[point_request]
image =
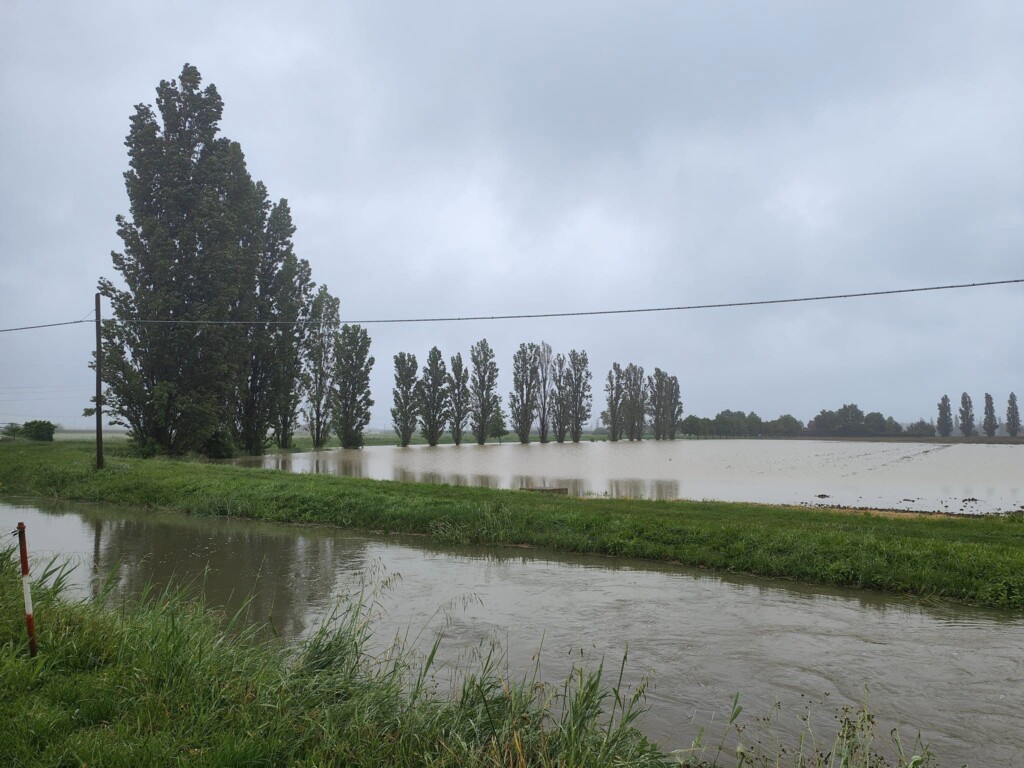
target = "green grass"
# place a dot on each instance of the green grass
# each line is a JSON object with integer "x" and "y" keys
{"x": 972, "y": 560}
{"x": 163, "y": 682}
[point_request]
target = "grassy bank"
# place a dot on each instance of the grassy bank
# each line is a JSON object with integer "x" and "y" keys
{"x": 974, "y": 560}
{"x": 163, "y": 682}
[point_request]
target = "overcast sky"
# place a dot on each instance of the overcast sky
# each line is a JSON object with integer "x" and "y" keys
{"x": 483, "y": 158}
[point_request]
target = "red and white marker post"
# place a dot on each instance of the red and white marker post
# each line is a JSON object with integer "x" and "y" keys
{"x": 30, "y": 622}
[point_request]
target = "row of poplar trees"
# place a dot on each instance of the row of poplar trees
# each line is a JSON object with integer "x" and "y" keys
{"x": 965, "y": 417}
{"x": 636, "y": 403}
{"x": 550, "y": 390}
{"x": 219, "y": 336}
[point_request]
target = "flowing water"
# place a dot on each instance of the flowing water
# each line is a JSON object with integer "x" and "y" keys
{"x": 952, "y": 673}
{"x": 925, "y": 477}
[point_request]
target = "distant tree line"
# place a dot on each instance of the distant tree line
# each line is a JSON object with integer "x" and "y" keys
{"x": 851, "y": 421}
{"x": 964, "y": 420}
{"x": 549, "y": 391}
{"x": 739, "y": 424}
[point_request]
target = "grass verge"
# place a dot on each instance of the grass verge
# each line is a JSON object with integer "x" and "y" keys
{"x": 164, "y": 682}
{"x": 972, "y": 560}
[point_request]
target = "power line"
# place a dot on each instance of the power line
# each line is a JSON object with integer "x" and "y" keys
{"x": 725, "y": 305}
{"x": 46, "y": 399}
{"x": 46, "y": 325}
{"x": 543, "y": 315}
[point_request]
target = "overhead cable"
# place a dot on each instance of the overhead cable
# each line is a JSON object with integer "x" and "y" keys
{"x": 543, "y": 315}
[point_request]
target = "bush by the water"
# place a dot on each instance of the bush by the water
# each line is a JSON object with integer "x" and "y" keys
{"x": 32, "y": 430}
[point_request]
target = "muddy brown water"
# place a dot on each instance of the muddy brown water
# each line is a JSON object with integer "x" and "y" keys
{"x": 951, "y": 673}
{"x": 924, "y": 477}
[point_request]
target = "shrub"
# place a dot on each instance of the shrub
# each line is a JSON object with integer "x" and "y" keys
{"x": 39, "y": 430}
{"x": 920, "y": 428}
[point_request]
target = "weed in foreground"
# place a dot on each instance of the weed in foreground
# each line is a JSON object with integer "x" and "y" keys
{"x": 162, "y": 679}
{"x": 855, "y": 744}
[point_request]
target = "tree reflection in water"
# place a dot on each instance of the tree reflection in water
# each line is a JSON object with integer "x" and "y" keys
{"x": 276, "y": 575}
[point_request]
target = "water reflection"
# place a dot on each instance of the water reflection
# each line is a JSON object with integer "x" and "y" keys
{"x": 348, "y": 464}
{"x": 906, "y": 476}
{"x": 701, "y": 636}
{"x": 275, "y": 575}
{"x": 572, "y": 486}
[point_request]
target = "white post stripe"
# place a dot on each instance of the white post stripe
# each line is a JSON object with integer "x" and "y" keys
{"x": 28, "y": 595}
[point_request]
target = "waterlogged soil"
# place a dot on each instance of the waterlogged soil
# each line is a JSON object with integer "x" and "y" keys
{"x": 954, "y": 675}
{"x": 919, "y": 477}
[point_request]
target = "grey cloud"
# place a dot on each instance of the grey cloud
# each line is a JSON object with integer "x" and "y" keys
{"x": 460, "y": 158}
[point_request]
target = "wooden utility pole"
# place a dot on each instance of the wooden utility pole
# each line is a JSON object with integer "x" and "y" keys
{"x": 99, "y": 388}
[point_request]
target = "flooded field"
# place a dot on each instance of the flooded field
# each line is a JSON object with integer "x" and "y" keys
{"x": 952, "y": 673}
{"x": 925, "y": 477}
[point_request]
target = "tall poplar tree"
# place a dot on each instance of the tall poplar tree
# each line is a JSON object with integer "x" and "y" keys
{"x": 578, "y": 393}
{"x": 544, "y": 405}
{"x": 634, "y": 401}
{"x": 1012, "y": 416}
{"x": 522, "y": 401}
{"x": 561, "y": 398}
{"x": 405, "y": 396}
{"x": 483, "y": 384}
{"x": 319, "y": 363}
{"x": 203, "y": 245}
{"x": 350, "y": 392}
{"x": 945, "y": 423}
{"x": 614, "y": 416}
{"x": 665, "y": 407}
{"x": 192, "y": 244}
{"x": 458, "y": 398}
{"x": 966, "y": 415}
{"x": 277, "y": 311}
{"x": 294, "y": 297}
{"x": 990, "y": 424}
{"x": 434, "y": 400}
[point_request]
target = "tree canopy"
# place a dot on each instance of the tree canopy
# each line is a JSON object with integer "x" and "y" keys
{"x": 966, "y": 415}
{"x": 1012, "y": 416}
{"x": 201, "y": 351}
{"x": 350, "y": 392}
{"x": 850, "y": 421}
{"x": 405, "y": 395}
{"x": 945, "y": 422}
{"x": 434, "y": 398}
{"x": 483, "y": 396}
